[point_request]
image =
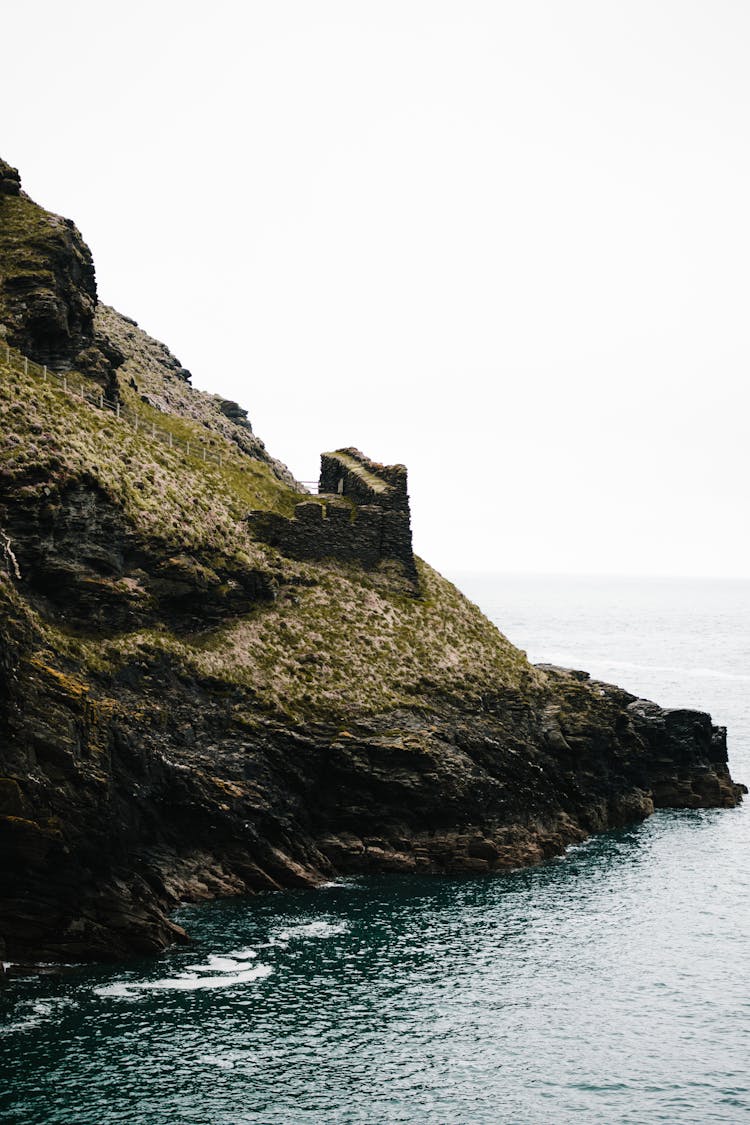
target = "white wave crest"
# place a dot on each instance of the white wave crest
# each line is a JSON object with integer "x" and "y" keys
{"x": 184, "y": 982}
{"x": 215, "y": 964}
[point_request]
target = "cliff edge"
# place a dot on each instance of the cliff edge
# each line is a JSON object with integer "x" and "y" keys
{"x": 213, "y": 682}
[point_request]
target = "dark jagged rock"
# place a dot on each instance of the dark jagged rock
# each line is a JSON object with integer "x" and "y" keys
{"x": 155, "y": 790}
{"x": 83, "y": 563}
{"x": 235, "y": 413}
{"x": 10, "y": 180}
{"x": 190, "y": 707}
{"x": 48, "y": 287}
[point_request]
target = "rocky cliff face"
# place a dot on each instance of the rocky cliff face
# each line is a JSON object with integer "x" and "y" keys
{"x": 186, "y": 711}
{"x": 48, "y": 287}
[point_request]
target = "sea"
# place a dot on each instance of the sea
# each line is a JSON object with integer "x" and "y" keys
{"x": 611, "y": 985}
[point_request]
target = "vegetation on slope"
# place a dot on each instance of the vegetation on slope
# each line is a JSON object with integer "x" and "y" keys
{"x": 52, "y": 438}
{"x": 344, "y": 645}
{"x": 336, "y": 642}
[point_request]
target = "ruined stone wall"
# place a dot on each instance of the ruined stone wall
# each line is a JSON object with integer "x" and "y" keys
{"x": 369, "y": 525}
{"x": 347, "y": 472}
{"x": 367, "y": 534}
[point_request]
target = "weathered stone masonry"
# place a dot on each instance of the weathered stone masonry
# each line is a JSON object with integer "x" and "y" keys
{"x": 362, "y": 516}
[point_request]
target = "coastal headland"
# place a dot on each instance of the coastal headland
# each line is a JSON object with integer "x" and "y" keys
{"x": 215, "y": 682}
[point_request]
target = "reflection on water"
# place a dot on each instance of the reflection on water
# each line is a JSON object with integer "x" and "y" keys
{"x": 607, "y": 986}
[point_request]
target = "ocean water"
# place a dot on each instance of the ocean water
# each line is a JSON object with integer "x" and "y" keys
{"x": 609, "y": 986}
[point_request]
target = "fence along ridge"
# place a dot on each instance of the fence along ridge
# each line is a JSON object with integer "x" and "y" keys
{"x": 122, "y": 413}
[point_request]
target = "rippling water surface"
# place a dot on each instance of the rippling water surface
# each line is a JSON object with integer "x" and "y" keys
{"x": 612, "y": 985}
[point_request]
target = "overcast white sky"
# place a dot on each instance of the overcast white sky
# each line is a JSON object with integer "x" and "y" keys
{"x": 506, "y": 243}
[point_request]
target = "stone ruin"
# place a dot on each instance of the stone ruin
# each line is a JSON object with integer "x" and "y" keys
{"x": 361, "y": 515}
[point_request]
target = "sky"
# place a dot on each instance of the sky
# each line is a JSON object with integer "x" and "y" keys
{"x": 504, "y": 243}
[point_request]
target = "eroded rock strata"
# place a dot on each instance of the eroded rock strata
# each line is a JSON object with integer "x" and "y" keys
{"x": 197, "y": 701}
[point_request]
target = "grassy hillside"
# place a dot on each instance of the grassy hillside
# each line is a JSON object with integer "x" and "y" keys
{"x": 52, "y": 437}
{"x": 335, "y": 643}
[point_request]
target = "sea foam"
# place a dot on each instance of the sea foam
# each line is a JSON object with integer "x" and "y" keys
{"x": 185, "y": 982}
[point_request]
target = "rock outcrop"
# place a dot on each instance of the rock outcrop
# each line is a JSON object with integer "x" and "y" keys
{"x": 48, "y": 287}
{"x": 190, "y": 707}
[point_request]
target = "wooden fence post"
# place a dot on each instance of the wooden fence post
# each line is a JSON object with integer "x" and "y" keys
{"x": 132, "y": 417}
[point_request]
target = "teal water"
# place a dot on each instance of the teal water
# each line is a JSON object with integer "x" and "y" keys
{"x": 608, "y": 986}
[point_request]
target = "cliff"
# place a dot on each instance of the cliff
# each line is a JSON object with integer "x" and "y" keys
{"x": 214, "y": 683}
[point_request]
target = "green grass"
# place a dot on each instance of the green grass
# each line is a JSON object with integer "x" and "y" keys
{"x": 338, "y": 644}
{"x": 348, "y": 647}
{"x": 52, "y": 438}
{"x": 21, "y": 222}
